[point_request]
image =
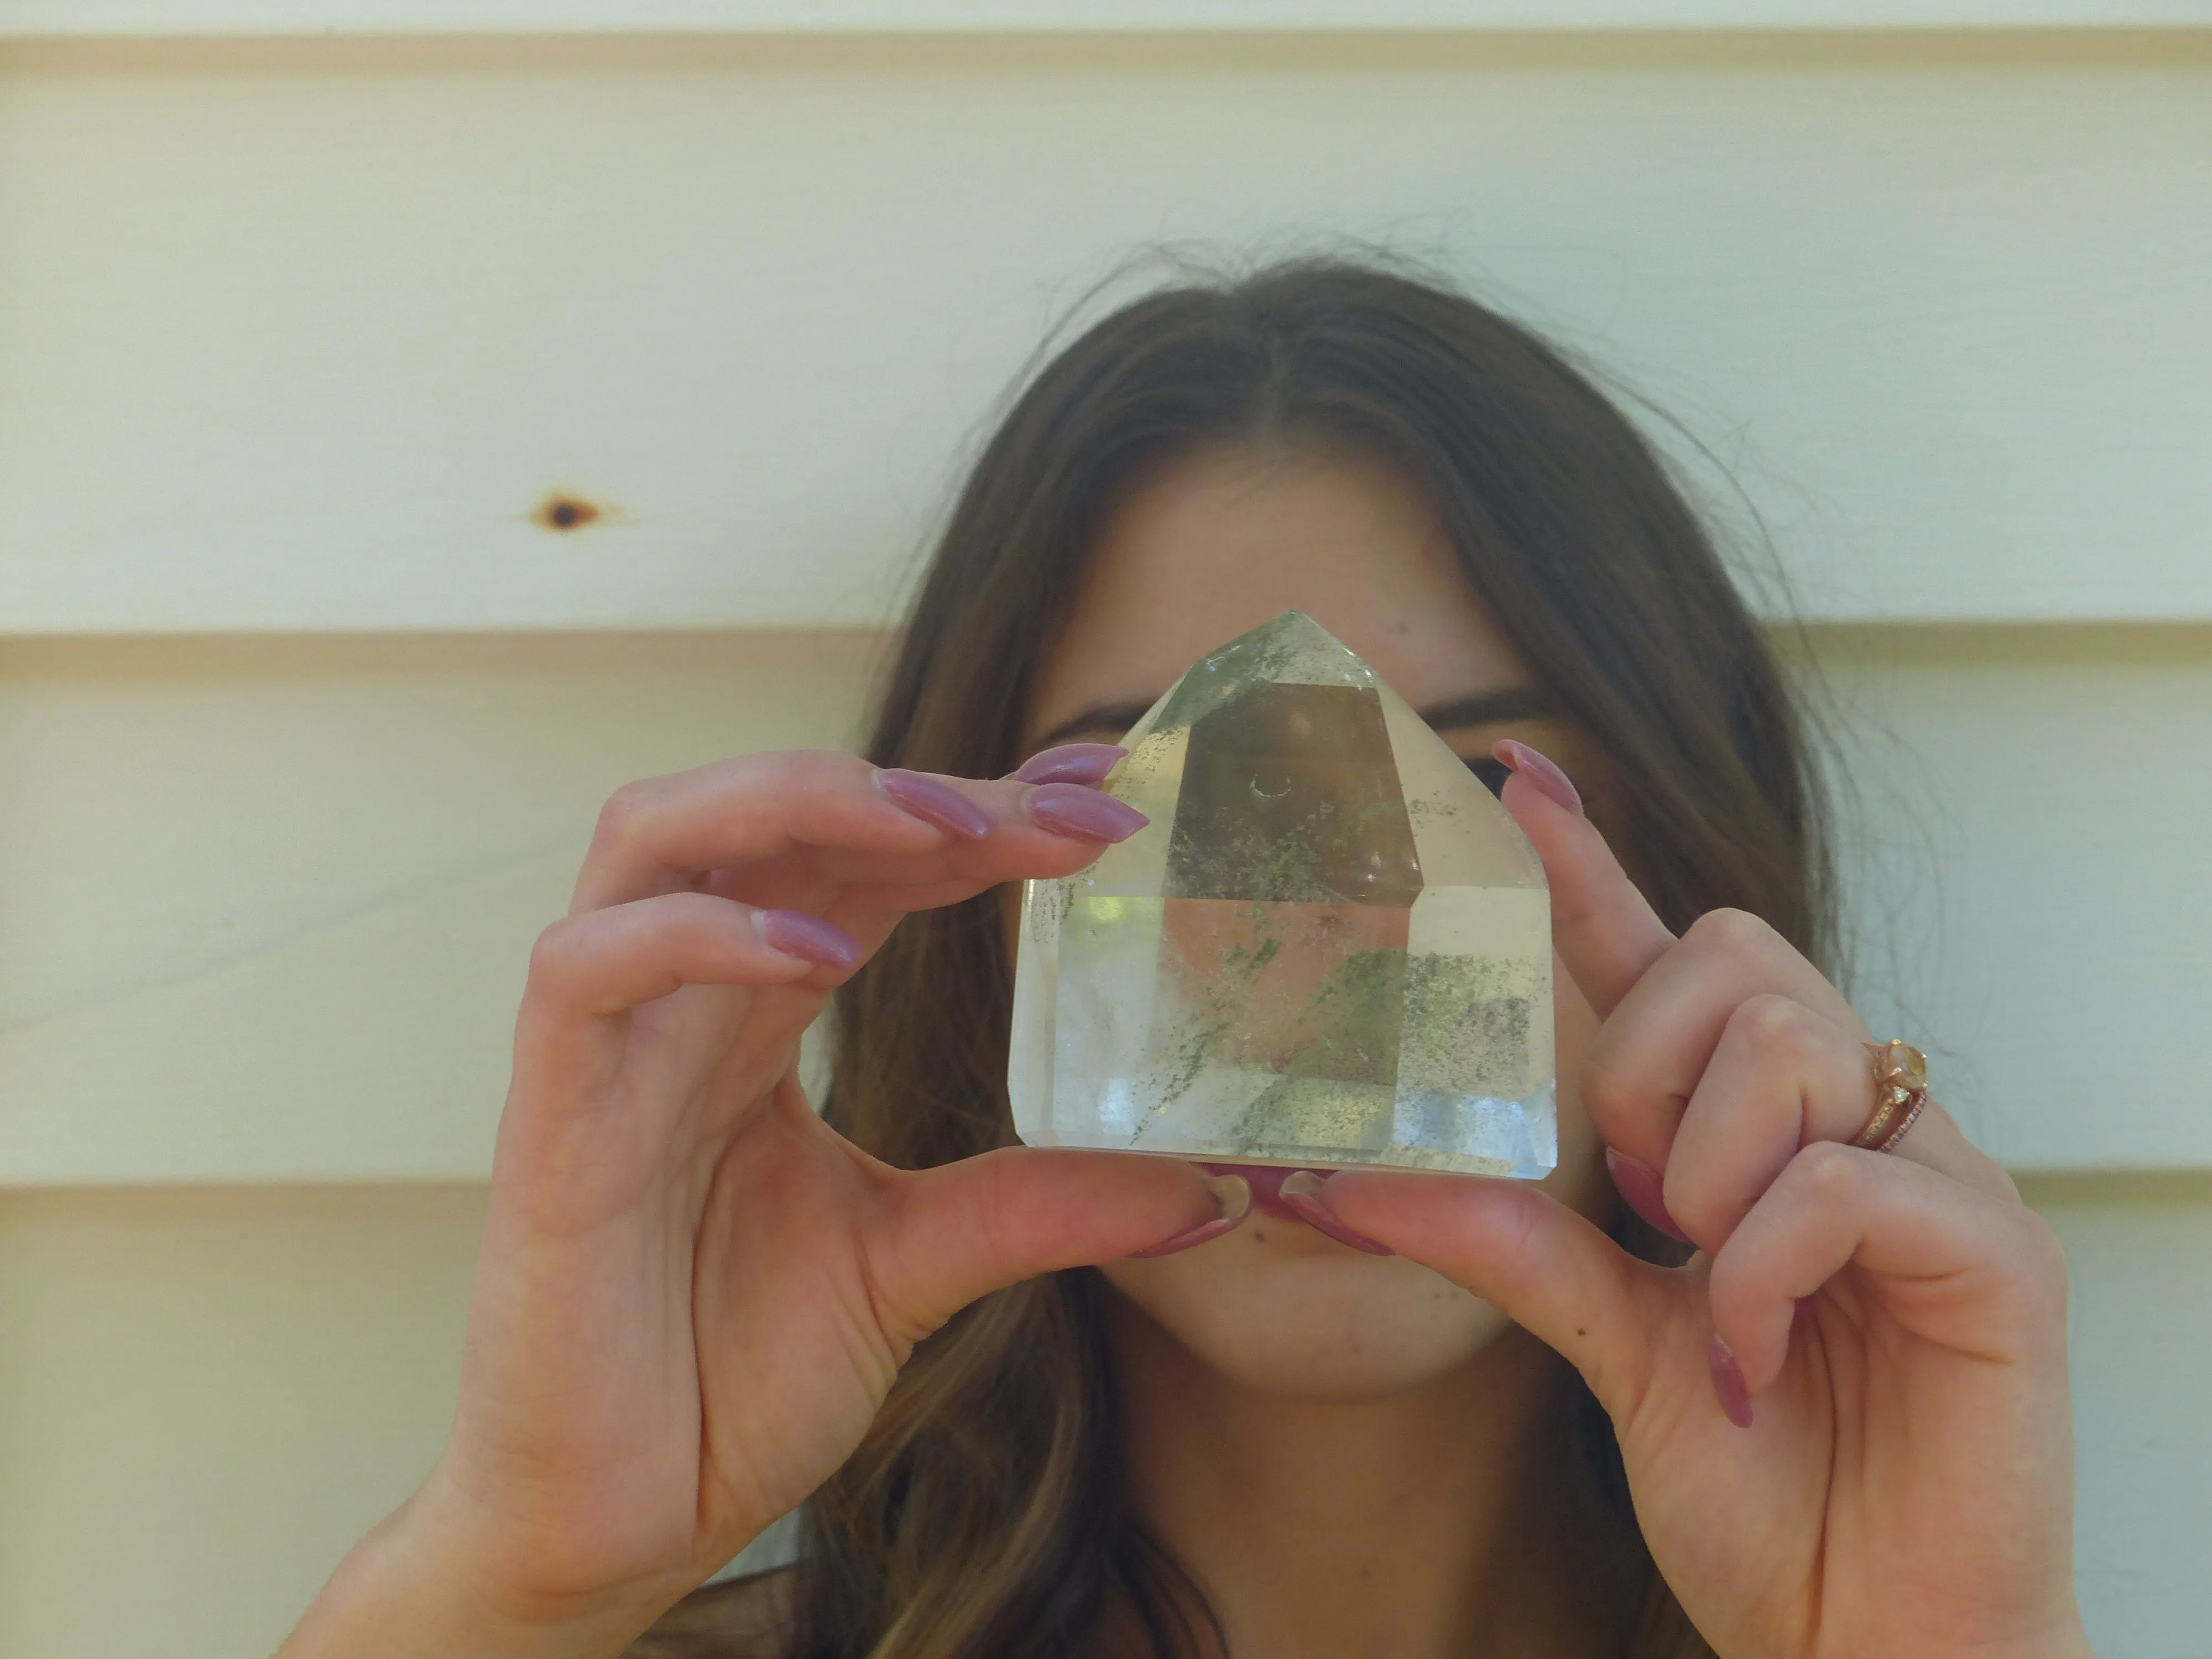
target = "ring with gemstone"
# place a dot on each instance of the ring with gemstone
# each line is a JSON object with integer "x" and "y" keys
{"x": 1900, "y": 1093}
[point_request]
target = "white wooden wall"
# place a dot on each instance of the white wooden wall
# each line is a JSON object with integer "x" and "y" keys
{"x": 305, "y": 710}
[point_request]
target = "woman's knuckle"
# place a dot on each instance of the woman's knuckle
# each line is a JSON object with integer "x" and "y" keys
{"x": 622, "y": 813}
{"x": 553, "y": 955}
{"x": 1773, "y": 1024}
{"x": 1830, "y": 1172}
{"x": 1734, "y": 935}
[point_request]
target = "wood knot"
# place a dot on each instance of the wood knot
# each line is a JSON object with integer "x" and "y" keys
{"x": 560, "y": 512}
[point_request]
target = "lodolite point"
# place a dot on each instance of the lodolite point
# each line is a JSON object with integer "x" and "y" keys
{"x": 1331, "y": 945}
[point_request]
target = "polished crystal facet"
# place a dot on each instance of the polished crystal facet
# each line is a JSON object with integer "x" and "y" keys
{"x": 1331, "y": 945}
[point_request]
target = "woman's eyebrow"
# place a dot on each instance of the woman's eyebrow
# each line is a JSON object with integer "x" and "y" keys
{"x": 1115, "y": 717}
{"x": 1514, "y": 703}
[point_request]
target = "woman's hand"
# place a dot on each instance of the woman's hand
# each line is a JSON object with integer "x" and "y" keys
{"x": 693, "y": 1295}
{"x": 1845, "y": 1422}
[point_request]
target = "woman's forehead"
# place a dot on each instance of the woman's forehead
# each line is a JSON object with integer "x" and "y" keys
{"x": 1219, "y": 541}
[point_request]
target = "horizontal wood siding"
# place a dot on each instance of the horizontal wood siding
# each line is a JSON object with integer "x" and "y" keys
{"x": 268, "y": 901}
{"x": 316, "y": 336}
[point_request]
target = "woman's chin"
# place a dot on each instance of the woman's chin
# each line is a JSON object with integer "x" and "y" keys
{"x": 1279, "y": 1308}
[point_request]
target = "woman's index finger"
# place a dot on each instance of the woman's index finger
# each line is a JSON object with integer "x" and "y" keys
{"x": 1602, "y": 926}
{"x": 658, "y": 834}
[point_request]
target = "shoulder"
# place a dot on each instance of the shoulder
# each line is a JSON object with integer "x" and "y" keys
{"x": 747, "y": 1618}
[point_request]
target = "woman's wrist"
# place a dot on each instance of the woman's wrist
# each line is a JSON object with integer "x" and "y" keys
{"x": 412, "y": 1586}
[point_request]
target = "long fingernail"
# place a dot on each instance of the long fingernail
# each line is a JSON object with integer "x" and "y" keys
{"x": 1727, "y": 1382}
{"x": 1540, "y": 771}
{"x": 1233, "y": 1193}
{"x": 1069, "y": 808}
{"x": 934, "y": 802}
{"x": 1071, "y": 762}
{"x": 1642, "y": 1190}
{"x": 1301, "y": 1192}
{"x": 808, "y": 938}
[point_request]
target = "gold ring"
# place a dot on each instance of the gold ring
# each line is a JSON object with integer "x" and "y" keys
{"x": 1900, "y": 1094}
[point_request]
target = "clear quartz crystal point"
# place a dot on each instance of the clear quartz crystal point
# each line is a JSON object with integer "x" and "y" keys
{"x": 1331, "y": 945}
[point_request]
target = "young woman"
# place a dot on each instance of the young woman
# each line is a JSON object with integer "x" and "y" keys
{"x": 1055, "y": 1402}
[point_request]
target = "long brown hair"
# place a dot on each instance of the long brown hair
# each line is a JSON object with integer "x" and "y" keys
{"x": 983, "y": 1516}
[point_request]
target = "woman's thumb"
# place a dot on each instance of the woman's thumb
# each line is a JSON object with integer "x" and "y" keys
{"x": 1545, "y": 1266}
{"x": 961, "y": 1231}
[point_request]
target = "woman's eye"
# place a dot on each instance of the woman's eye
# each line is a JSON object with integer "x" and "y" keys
{"x": 1493, "y": 773}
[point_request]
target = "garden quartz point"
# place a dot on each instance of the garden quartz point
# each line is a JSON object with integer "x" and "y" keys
{"x": 1331, "y": 945}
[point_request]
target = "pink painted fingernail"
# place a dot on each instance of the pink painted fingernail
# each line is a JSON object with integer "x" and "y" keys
{"x": 808, "y": 938}
{"x": 1069, "y": 808}
{"x": 1540, "y": 771}
{"x": 1642, "y": 1190}
{"x": 934, "y": 802}
{"x": 1301, "y": 1191}
{"x": 1071, "y": 762}
{"x": 1727, "y": 1382}
{"x": 1233, "y": 1193}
